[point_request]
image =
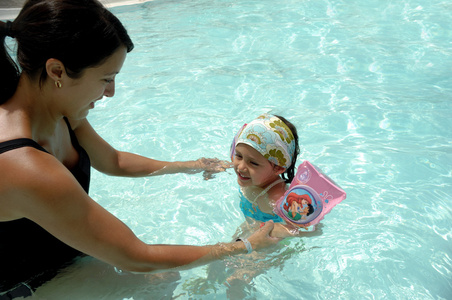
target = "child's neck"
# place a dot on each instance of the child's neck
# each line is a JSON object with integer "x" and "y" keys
{"x": 265, "y": 198}
{"x": 273, "y": 190}
{"x": 272, "y": 184}
{"x": 276, "y": 189}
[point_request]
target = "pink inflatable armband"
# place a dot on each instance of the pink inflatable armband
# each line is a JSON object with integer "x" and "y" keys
{"x": 310, "y": 196}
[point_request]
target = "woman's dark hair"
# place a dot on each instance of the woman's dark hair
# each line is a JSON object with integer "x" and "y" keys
{"x": 79, "y": 33}
{"x": 290, "y": 172}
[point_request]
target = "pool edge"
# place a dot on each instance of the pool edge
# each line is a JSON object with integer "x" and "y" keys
{"x": 9, "y": 13}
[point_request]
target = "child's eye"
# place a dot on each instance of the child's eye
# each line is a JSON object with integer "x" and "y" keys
{"x": 238, "y": 155}
{"x": 108, "y": 80}
{"x": 254, "y": 163}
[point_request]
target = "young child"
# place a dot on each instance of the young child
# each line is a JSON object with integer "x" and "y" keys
{"x": 264, "y": 153}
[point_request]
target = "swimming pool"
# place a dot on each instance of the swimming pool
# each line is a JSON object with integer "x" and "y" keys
{"x": 367, "y": 83}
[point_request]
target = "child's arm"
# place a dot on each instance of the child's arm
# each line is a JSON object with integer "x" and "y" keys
{"x": 288, "y": 230}
{"x": 283, "y": 231}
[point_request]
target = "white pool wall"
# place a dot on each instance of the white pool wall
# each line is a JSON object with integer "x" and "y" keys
{"x": 10, "y": 9}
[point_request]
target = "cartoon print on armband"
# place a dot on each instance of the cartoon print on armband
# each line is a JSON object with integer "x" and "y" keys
{"x": 298, "y": 206}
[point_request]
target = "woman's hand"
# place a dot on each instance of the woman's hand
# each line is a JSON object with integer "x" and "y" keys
{"x": 211, "y": 166}
{"x": 261, "y": 238}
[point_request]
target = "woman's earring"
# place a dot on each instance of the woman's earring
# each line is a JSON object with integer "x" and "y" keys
{"x": 58, "y": 84}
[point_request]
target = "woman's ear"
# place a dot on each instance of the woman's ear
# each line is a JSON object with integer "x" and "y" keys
{"x": 278, "y": 169}
{"x": 55, "y": 69}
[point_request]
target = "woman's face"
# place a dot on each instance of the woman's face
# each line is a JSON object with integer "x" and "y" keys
{"x": 252, "y": 168}
{"x": 93, "y": 85}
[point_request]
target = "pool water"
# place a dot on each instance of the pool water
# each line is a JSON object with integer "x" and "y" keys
{"x": 368, "y": 85}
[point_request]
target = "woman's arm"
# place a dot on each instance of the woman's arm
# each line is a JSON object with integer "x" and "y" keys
{"x": 54, "y": 200}
{"x": 108, "y": 160}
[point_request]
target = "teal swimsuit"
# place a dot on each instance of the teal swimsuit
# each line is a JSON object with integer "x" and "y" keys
{"x": 254, "y": 212}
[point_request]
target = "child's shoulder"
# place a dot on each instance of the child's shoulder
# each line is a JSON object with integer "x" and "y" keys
{"x": 257, "y": 193}
{"x": 251, "y": 192}
{"x": 277, "y": 192}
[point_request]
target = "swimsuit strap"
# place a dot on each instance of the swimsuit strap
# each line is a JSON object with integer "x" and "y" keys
{"x": 26, "y": 142}
{"x": 279, "y": 180}
{"x": 19, "y": 143}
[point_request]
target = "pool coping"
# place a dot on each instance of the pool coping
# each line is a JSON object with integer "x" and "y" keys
{"x": 10, "y": 11}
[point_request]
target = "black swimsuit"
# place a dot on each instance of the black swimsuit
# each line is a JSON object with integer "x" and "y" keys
{"x": 29, "y": 254}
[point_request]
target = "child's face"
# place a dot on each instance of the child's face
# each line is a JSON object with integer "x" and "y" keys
{"x": 252, "y": 168}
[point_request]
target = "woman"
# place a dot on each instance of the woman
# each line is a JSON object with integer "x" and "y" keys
{"x": 69, "y": 52}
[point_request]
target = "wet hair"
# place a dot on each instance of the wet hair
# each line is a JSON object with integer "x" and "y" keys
{"x": 79, "y": 33}
{"x": 289, "y": 174}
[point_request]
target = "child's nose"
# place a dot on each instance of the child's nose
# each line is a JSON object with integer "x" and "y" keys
{"x": 242, "y": 165}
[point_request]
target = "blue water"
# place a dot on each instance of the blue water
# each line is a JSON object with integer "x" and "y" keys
{"x": 368, "y": 85}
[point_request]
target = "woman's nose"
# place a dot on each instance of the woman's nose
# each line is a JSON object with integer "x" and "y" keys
{"x": 110, "y": 89}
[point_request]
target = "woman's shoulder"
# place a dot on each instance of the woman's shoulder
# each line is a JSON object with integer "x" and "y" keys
{"x": 30, "y": 177}
{"x": 29, "y": 168}
{"x": 25, "y": 164}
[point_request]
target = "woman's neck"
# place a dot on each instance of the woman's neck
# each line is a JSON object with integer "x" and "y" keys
{"x": 31, "y": 107}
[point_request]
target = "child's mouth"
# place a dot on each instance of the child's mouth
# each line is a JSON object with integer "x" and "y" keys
{"x": 241, "y": 177}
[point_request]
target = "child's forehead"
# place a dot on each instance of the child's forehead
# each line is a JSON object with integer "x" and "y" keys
{"x": 249, "y": 151}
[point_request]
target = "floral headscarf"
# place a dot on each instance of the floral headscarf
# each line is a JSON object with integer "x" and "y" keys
{"x": 271, "y": 137}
